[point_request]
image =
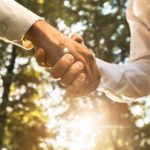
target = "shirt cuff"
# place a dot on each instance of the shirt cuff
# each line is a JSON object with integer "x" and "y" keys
{"x": 17, "y": 21}
{"x": 110, "y": 81}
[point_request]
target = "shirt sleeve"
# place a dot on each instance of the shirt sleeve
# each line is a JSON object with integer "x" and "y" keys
{"x": 15, "y": 20}
{"x": 124, "y": 83}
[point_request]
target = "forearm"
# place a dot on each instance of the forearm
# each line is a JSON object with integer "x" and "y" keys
{"x": 125, "y": 82}
{"x": 42, "y": 30}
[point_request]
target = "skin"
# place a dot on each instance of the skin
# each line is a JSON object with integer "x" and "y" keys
{"x": 72, "y": 73}
{"x": 43, "y": 35}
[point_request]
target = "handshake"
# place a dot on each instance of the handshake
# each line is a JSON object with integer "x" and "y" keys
{"x": 69, "y": 59}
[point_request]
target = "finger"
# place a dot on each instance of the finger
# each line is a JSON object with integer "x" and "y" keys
{"x": 78, "y": 38}
{"x": 62, "y": 66}
{"x": 40, "y": 57}
{"x": 76, "y": 85}
{"x": 84, "y": 91}
{"x": 72, "y": 73}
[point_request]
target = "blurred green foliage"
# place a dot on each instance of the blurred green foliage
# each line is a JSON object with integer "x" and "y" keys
{"x": 23, "y": 123}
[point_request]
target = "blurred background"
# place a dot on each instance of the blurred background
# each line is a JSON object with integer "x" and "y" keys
{"x": 35, "y": 113}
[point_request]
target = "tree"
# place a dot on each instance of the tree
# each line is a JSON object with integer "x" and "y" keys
{"x": 33, "y": 119}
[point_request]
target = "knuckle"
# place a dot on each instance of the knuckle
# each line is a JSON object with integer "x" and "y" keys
{"x": 82, "y": 77}
{"x": 65, "y": 61}
{"x": 64, "y": 81}
{"x": 76, "y": 67}
{"x": 54, "y": 74}
{"x": 90, "y": 56}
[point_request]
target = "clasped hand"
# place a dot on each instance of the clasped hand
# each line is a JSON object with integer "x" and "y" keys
{"x": 78, "y": 79}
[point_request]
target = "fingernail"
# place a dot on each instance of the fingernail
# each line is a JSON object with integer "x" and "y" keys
{"x": 80, "y": 65}
{"x": 70, "y": 57}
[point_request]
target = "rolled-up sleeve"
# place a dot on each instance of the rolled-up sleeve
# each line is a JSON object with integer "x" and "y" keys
{"x": 15, "y": 20}
{"x": 124, "y": 83}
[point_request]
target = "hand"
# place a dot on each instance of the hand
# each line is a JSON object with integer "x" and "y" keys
{"x": 77, "y": 81}
{"x": 43, "y": 35}
{"x": 85, "y": 82}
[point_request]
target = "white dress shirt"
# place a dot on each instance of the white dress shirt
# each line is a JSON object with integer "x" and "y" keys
{"x": 15, "y": 20}
{"x": 127, "y": 82}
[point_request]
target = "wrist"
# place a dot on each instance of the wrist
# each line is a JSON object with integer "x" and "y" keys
{"x": 42, "y": 32}
{"x": 31, "y": 34}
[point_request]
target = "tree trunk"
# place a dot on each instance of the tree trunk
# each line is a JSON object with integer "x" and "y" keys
{"x": 7, "y": 80}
